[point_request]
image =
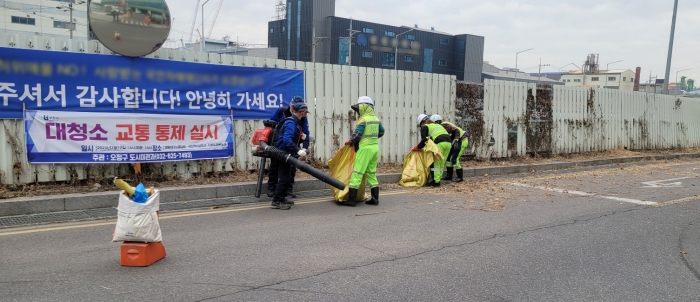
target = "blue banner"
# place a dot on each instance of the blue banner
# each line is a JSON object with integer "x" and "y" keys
{"x": 64, "y": 81}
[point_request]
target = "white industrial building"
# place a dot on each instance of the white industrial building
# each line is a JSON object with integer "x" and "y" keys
{"x": 622, "y": 79}
{"x": 44, "y": 18}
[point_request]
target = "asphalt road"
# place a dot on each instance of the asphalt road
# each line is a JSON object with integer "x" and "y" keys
{"x": 615, "y": 233}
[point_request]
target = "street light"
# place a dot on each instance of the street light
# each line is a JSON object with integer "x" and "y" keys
{"x": 201, "y": 43}
{"x": 607, "y": 69}
{"x": 677, "y": 74}
{"x": 70, "y": 8}
{"x": 539, "y": 72}
{"x": 396, "y": 48}
{"x": 516, "y": 63}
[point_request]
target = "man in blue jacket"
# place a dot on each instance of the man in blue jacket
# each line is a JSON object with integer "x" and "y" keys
{"x": 290, "y": 136}
{"x": 279, "y": 116}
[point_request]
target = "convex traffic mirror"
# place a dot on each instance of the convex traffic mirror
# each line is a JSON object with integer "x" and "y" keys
{"x": 132, "y": 28}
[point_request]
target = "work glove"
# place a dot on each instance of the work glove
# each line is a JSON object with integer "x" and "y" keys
{"x": 415, "y": 148}
{"x": 302, "y": 153}
{"x": 303, "y": 136}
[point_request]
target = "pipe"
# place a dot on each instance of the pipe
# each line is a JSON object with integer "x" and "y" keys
{"x": 261, "y": 176}
{"x": 285, "y": 157}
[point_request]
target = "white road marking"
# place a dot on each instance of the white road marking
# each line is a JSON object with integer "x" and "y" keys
{"x": 635, "y": 201}
{"x": 662, "y": 184}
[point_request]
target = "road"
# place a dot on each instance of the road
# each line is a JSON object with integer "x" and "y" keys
{"x": 615, "y": 233}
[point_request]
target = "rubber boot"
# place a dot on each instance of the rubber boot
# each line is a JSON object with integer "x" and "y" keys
{"x": 460, "y": 175}
{"x": 448, "y": 175}
{"x": 352, "y": 198}
{"x": 375, "y": 197}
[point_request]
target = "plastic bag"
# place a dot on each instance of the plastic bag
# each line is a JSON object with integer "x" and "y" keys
{"x": 416, "y": 165}
{"x": 341, "y": 169}
{"x": 140, "y": 194}
{"x": 138, "y": 221}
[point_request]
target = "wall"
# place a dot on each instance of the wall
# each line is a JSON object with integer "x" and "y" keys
{"x": 584, "y": 120}
{"x": 330, "y": 90}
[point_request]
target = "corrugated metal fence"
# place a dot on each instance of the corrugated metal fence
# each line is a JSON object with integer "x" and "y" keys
{"x": 330, "y": 90}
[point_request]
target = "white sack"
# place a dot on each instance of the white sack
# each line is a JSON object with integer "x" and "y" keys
{"x": 138, "y": 221}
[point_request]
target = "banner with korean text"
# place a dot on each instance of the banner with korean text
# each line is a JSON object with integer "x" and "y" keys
{"x": 65, "y": 81}
{"x": 80, "y": 137}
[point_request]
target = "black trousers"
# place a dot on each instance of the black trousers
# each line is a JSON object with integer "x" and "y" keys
{"x": 273, "y": 178}
{"x": 286, "y": 178}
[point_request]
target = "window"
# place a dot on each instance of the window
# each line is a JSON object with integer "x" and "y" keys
{"x": 366, "y": 54}
{"x": 389, "y": 34}
{"x": 612, "y": 78}
{"x": 624, "y": 78}
{"x": 368, "y": 30}
{"x": 442, "y": 62}
{"x": 388, "y": 59}
{"x": 444, "y": 41}
{"x": 632, "y": 80}
{"x": 410, "y": 37}
{"x": 577, "y": 80}
{"x": 284, "y": 28}
{"x": 23, "y": 20}
{"x": 62, "y": 24}
{"x": 594, "y": 79}
{"x": 408, "y": 59}
{"x": 272, "y": 30}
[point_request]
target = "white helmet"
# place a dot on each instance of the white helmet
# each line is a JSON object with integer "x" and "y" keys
{"x": 435, "y": 117}
{"x": 366, "y": 100}
{"x": 421, "y": 118}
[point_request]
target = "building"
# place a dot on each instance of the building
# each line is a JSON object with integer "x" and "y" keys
{"x": 511, "y": 74}
{"x": 232, "y": 48}
{"x": 45, "y": 18}
{"x": 310, "y": 32}
{"x": 622, "y": 79}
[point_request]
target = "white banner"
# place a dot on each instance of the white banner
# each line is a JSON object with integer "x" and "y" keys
{"x": 89, "y": 137}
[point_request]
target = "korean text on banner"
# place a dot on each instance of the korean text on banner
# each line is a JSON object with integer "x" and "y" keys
{"x": 63, "y": 81}
{"x": 80, "y": 137}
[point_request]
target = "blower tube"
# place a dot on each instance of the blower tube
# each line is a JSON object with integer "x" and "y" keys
{"x": 284, "y": 157}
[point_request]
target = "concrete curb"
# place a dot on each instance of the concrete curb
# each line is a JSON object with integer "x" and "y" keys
{"x": 75, "y": 202}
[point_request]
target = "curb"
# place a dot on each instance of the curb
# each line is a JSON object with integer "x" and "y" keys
{"x": 88, "y": 201}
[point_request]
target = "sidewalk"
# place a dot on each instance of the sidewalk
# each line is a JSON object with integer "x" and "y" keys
{"x": 53, "y": 208}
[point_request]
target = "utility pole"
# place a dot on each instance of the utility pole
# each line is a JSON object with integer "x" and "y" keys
{"x": 70, "y": 7}
{"x": 670, "y": 48}
{"x": 313, "y": 44}
{"x": 351, "y": 33}
{"x": 201, "y": 38}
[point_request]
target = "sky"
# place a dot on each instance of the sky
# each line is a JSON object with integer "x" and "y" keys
{"x": 560, "y": 32}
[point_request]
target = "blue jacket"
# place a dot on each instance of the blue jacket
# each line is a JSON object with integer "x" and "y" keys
{"x": 283, "y": 113}
{"x": 290, "y": 136}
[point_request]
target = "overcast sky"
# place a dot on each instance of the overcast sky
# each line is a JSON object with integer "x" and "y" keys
{"x": 560, "y": 31}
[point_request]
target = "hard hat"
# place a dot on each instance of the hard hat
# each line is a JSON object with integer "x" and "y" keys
{"x": 421, "y": 118}
{"x": 366, "y": 100}
{"x": 435, "y": 117}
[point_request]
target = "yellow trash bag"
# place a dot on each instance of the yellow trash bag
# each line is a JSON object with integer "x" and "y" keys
{"x": 341, "y": 169}
{"x": 416, "y": 165}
